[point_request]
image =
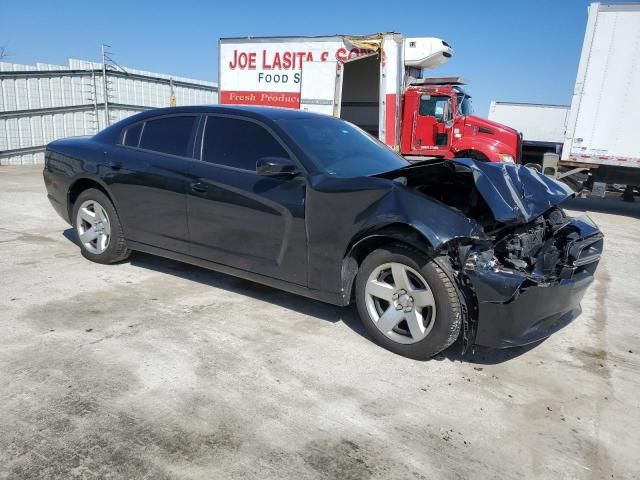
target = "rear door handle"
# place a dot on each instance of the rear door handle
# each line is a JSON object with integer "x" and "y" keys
{"x": 115, "y": 165}
{"x": 198, "y": 187}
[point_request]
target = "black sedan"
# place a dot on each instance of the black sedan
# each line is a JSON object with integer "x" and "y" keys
{"x": 313, "y": 205}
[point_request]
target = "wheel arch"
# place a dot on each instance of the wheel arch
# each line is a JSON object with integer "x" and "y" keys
{"x": 79, "y": 185}
{"x": 474, "y": 154}
{"x": 366, "y": 242}
{"x": 480, "y": 146}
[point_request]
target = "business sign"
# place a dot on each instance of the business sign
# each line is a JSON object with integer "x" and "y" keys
{"x": 269, "y": 72}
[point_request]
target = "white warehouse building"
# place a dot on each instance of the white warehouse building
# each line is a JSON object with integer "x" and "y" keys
{"x": 41, "y": 103}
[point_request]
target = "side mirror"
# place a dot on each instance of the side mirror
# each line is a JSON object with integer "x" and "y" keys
{"x": 447, "y": 114}
{"x": 276, "y": 167}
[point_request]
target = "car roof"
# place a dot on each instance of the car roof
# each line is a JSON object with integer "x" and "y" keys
{"x": 266, "y": 114}
{"x": 270, "y": 113}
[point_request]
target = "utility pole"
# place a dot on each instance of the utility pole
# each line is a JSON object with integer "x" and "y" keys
{"x": 91, "y": 92}
{"x": 105, "y": 87}
{"x": 108, "y": 63}
{"x": 95, "y": 95}
{"x": 172, "y": 96}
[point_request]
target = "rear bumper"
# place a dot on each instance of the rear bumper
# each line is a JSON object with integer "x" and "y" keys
{"x": 56, "y": 193}
{"x": 515, "y": 308}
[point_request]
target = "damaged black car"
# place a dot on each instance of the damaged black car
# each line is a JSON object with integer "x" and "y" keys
{"x": 429, "y": 252}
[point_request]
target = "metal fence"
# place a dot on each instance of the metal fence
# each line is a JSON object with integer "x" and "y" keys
{"x": 41, "y": 103}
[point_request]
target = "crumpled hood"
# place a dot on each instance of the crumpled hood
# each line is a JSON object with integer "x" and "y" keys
{"x": 514, "y": 194}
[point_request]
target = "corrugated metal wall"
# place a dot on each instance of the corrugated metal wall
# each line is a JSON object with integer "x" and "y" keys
{"x": 41, "y": 103}
{"x": 32, "y": 131}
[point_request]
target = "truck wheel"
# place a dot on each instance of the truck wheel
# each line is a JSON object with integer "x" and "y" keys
{"x": 574, "y": 184}
{"x": 407, "y": 302}
{"x": 534, "y": 166}
{"x": 98, "y": 228}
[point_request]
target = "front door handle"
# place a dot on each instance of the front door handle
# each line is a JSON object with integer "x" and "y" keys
{"x": 198, "y": 187}
{"x": 115, "y": 165}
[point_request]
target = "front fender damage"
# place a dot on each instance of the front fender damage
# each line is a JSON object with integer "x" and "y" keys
{"x": 406, "y": 216}
{"x": 522, "y": 276}
{"x": 437, "y": 222}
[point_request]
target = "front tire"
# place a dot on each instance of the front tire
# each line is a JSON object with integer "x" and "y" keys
{"x": 98, "y": 228}
{"x": 407, "y": 302}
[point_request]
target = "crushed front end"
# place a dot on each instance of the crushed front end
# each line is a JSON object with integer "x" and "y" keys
{"x": 528, "y": 281}
{"x": 524, "y": 276}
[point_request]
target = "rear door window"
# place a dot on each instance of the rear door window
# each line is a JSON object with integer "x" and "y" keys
{"x": 238, "y": 143}
{"x": 171, "y": 135}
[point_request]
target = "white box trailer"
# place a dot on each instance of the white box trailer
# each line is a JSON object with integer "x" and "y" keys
{"x": 540, "y": 124}
{"x": 604, "y": 119}
{"x": 357, "y": 78}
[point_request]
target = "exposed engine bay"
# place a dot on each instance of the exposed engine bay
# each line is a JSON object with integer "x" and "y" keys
{"x": 535, "y": 247}
{"x": 527, "y": 236}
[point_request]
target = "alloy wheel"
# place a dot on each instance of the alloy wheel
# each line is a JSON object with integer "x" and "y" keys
{"x": 400, "y": 302}
{"x": 93, "y": 226}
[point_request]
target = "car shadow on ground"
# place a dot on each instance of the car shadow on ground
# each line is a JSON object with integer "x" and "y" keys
{"x": 306, "y": 306}
{"x": 257, "y": 291}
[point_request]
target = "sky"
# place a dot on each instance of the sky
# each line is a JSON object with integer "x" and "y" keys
{"x": 518, "y": 50}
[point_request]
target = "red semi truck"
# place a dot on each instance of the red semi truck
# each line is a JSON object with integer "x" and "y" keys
{"x": 372, "y": 81}
{"x": 437, "y": 121}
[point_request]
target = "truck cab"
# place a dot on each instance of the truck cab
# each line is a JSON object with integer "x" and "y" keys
{"x": 437, "y": 121}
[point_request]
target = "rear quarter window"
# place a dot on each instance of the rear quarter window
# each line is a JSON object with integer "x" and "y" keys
{"x": 132, "y": 135}
{"x": 171, "y": 135}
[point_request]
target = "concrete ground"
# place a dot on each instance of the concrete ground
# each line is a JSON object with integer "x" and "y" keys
{"x": 155, "y": 369}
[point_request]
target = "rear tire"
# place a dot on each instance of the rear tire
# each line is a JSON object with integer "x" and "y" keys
{"x": 416, "y": 314}
{"x": 98, "y": 228}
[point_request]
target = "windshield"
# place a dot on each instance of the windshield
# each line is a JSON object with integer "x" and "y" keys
{"x": 464, "y": 105}
{"x": 340, "y": 149}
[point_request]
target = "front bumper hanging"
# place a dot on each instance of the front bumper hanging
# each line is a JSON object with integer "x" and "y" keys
{"x": 515, "y": 308}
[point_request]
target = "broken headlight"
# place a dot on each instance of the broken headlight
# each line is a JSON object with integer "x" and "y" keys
{"x": 480, "y": 260}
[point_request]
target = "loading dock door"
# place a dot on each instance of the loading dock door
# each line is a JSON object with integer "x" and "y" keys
{"x": 320, "y": 87}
